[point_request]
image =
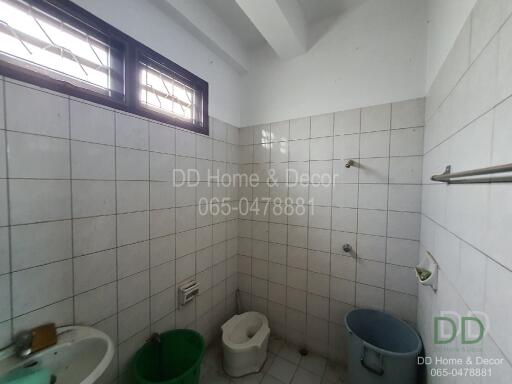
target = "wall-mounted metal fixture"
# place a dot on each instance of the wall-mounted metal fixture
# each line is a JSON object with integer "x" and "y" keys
{"x": 349, "y": 163}
{"x": 346, "y": 248}
{"x": 466, "y": 176}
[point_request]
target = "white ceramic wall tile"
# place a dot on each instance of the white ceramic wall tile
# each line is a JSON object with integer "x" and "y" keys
{"x": 347, "y": 122}
{"x": 372, "y": 222}
{"x": 300, "y": 128}
{"x": 343, "y": 267}
{"x": 405, "y": 198}
{"x": 40, "y": 286}
{"x": 38, "y": 244}
{"x": 280, "y": 131}
{"x": 5, "y": 297}
{"x": 343, "y": 290}
{"x": 371, "y": 273}
{"x": 39, "y": 200}
{"x": 404, "y": 225}
{"x": 374, "y": 144}
{"x": 132, "y": 164}
{"x": 321, "y": 149}
{"x": 478, "y": 61}
{"x": 374, "y": 170}
{"x": 132, "y": 196}
{"x": 373, "y": 196}
{"x": 299, "y": 150}
{"x": 406, "y": 114}
{"x": 132, "y": 259}
{"x": 406, "y": 142}
{"x": 504, "y": 84}
{"x": 133, "y": 289}
{"x": 61, "y": 313}
{"x": 402, "y": 252}
{"x": 109, "y": 194}
{"x": 98, "y": 127}
{"x": 94, "y": 270}
{"x": 49, "y": 114}
{"x": 93, "y": 198}
{"x": 401, "y": 305}
{"x": 161, "y": 138}
{"x": 344, "y": 219}
{"x": 371, "y": 247}
{"x": 5, "y": 265}
{"x": 131, "y": 132}
{"x": 37, "y": 157}
{"x": 94, "y": 234}
{"x": 345, "y": 195}
{"x": 376, "y": 118}
{"x": 401, "y": 279}
{"x": 185, "y": 143}
{"x": 133, "y": 320}
{"x": 2, "y": 112}
{"x": 161, "y": 166}
{"x": 92, "y": 161}
{"x": 501, "y": 135}
{"x": 322, "y": 125}
{"x": 369, "y": 297}
{"x": 96, "y": 305}
{"x": 346, "y": 146}
{"x": 3, "y": 152}
{"x": 405, "y": 170}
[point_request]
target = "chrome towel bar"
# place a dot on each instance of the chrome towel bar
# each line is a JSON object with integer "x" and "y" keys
{"x": 447, "y": 176}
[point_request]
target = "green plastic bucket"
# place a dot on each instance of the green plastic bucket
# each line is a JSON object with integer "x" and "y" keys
{"x": 175, "y": 359}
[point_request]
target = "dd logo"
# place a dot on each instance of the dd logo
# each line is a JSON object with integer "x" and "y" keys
{"x": 450, "y": 324}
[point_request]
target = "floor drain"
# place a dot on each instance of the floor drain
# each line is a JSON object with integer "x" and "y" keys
{"x": 303, "y": 351}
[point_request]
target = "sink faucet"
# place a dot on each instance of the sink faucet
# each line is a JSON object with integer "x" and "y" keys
{"x": 23, "y": 344}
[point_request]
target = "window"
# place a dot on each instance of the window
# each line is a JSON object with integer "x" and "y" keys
{"x": 166, "y": 94}
{"x": 169, "y": 93}
{"x": 58, "y": 45}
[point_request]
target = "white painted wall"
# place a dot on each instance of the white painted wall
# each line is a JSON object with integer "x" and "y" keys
{"x": 445, "y": 21}
{"x": 148, "y": 24}
{"x": 374, "y": 53}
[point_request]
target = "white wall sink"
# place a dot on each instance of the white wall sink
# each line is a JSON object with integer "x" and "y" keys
{"x": 80, "y": 356}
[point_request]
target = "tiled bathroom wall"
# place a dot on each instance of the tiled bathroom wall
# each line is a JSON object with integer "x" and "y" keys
{"x": 467, "y": 227}
{"x": 292, "y": 266}
{"x": 92, "y": 231}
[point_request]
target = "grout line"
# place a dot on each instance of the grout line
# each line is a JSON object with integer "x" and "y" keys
{"x": 387, "y": 215}
{"x": 71, "y": 211}
{"x": 118, "y": 374}
{"x": 150, "y": 295}
{"x": 356, "y": 257}
{"x": 9, "y": 214}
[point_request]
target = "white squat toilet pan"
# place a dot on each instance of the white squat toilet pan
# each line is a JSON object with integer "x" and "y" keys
{"x": 245, "y": 342}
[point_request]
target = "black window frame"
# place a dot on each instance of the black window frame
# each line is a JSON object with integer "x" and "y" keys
{"x": 132, "y": 52}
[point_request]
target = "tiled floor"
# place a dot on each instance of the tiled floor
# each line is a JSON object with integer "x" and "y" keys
{"x": 284, "y": 365}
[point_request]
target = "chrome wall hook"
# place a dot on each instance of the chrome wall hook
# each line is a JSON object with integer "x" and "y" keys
{"x": 349, "y": 163}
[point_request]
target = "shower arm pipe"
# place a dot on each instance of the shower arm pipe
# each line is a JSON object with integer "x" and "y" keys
{"x": 447, "y": 176}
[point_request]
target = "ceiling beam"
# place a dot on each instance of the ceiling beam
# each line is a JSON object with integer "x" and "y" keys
{"x": 281, "y": 22}
{"x": 206, "y": 26}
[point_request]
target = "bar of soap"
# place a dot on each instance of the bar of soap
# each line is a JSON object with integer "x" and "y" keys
{"x": 423, "y": 273}
{"x": 43, "y": 337}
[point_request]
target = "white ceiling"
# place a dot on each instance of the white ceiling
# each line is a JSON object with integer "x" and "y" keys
{"x": 235, "y": 28}
{"x": 318, "y": 10}
{"x": 237, "y": 21}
